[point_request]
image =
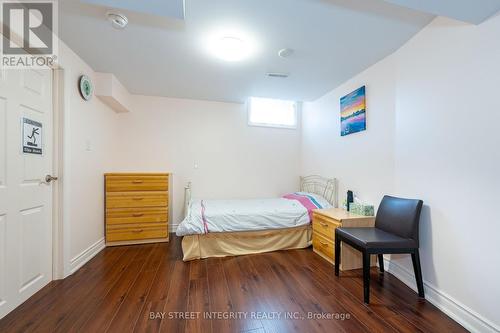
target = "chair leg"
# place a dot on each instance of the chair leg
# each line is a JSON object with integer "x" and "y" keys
{"x": 337, "y": 255}
{"x": 366, "y": 277}
{"x": 415, "y": 257}
{"x": 381, "y": 262}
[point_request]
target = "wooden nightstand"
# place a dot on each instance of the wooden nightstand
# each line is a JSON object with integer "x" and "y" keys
{"x": 324, "y": 223}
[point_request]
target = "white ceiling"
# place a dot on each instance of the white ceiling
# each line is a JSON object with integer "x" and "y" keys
{"x": 159, "y": 55}
{"x": 472, "y": 11}
{"x": 169, "y": 8}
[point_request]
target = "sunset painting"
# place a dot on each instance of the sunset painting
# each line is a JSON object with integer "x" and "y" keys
{"x": 353, "y": 112}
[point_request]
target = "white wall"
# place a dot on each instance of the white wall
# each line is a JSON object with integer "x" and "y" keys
{"x": 356, "y": 158}
{"x": 234, "y": 160}
{"x": 433, "y": 133}
{"x": 87, "y": 124}
{"x": 447, "y": 153}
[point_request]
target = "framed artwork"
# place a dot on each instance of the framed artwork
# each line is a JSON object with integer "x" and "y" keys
{"x": 353, "y": 112}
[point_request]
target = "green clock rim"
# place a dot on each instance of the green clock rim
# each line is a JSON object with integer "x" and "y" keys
{"x": 85, "y": 79}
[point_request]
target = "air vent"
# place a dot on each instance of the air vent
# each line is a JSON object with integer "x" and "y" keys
{"x": 280, "y": 75}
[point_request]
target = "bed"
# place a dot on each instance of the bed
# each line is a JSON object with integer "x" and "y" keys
{"x": 219, "y": 228}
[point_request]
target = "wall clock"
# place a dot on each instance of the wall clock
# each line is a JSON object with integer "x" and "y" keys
{"x": 86, "y": 88}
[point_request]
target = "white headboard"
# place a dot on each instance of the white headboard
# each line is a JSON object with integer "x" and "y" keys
{"x": 326, "y": 187}
{"x": 187, "y": 198}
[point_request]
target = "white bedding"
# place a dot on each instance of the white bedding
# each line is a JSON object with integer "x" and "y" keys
{"x": 245, "y": 215}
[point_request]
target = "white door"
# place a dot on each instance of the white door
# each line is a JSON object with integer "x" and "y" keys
{"x": 25, "y": 201}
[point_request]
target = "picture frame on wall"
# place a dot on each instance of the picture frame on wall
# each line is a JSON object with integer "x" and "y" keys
{"x": 353, "y": 112}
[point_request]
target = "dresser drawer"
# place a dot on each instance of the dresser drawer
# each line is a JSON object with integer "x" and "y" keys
{"x": 324, "y": 226}
{"x": 136, "y": 199}
{"x": 324, "y": 246}
{"x": 123, "y": 183}
{"x": 136, "y": 215}
{"x": 136, "y": 232}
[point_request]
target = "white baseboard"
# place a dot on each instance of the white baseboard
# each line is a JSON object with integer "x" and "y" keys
{"x": 173, "y": 227}
{"x": 87, "y": 254}
{"x": 466, "y": 317}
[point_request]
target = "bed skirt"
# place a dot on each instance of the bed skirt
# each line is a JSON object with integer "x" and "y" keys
{"x": 223, "y": 244}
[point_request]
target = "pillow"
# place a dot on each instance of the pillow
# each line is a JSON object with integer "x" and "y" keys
{"x": 317, "y": 199}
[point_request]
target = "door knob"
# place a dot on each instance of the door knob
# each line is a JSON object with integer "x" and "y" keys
{"x": 49, "y": 179}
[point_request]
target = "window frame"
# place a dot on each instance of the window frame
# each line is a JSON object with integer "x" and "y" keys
{"x": 254, "y": 124}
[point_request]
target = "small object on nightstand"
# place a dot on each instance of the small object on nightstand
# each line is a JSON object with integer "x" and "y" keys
{"x": 324, "y": 223}
{"x": 350, "y": 199}
{"x": 361, "y": 209}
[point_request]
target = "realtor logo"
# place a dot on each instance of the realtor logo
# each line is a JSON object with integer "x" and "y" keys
{"x": 29, "y": 31}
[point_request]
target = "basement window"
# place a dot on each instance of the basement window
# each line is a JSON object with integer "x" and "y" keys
{"x": 272, "y": 112}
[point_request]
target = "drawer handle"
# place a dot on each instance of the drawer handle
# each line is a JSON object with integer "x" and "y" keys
{"x": 137, "y": 199}
{"x": 138, "y": 231}
{"x": 137, "y": 181}
{"x": 323, "y": 243}
{"x": 137, "y": 214}
{"x": 324, "y": 224}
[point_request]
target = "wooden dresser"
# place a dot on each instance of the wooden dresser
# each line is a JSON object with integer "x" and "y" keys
{"x": 136, "y": 208}
{"x": 324, "y": 223}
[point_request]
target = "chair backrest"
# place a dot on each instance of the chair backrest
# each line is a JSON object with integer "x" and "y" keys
{"x": 399, "y": 216}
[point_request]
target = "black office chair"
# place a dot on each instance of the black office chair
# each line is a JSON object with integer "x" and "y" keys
{"x": 395, "y": 231}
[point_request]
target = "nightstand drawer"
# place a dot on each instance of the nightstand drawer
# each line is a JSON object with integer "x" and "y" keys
{"x": 324, "y": 226}
{"x": 323, "y": 246}
{"x": 136, "y": 199}
{"x": 124, "y": 183}
{"x": 325, "y": 221}
{"x": 136, "y": 215}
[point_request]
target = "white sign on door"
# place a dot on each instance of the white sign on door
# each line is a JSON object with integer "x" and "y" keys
{"x": 32, "y": 137}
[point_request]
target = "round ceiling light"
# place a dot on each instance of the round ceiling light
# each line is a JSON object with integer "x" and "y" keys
{"x": 230, "y": 48}
{"x": 118, "y": 20}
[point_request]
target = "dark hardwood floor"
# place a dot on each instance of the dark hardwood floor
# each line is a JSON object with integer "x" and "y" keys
{"x": 148, "y": 288}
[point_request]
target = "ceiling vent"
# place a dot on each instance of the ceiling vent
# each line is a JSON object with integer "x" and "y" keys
{"x": 118, "y": 20}
{"x": 280, "y": 75}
